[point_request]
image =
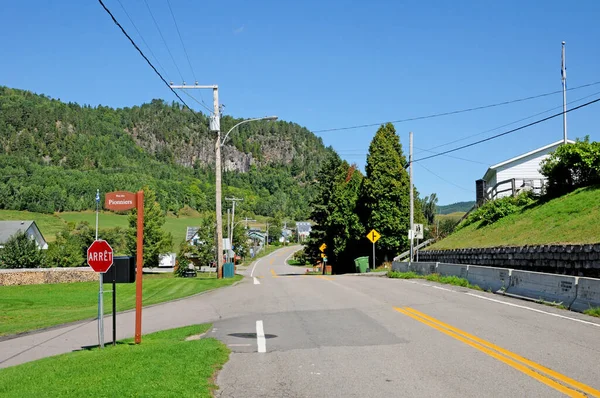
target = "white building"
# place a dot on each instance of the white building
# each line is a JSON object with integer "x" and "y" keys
{"x": 514, "y": 175}
{"x": 9, "y": 228}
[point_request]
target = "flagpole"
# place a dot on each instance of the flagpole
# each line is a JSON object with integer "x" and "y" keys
{"x": 563, "y": 73}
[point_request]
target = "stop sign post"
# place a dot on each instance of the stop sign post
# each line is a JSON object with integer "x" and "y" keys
{"x": 100, "y": 258}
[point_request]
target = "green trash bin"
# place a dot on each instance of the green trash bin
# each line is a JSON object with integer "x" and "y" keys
{"x": 362, "y": 264}
{"x": 228, "y": 270}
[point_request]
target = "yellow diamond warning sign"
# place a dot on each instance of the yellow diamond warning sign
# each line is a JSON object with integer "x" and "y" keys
{"x": 373, "y": 236}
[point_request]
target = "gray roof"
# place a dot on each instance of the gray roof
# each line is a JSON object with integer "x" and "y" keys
{"x": 9, "y": 228}
{"x": 190, "y": 232}
{"x": 303, "y": 227}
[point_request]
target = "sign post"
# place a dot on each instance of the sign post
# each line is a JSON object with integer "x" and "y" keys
{"x": 373, "y": 236}
{"x": 100, "y": 258}
{"x": 121, "y": 201}
{"x": 418, "y": 234}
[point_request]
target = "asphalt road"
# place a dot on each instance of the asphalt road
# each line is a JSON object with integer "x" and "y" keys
{"x": 357, "y": 336}
{"x": 295, "y": 335}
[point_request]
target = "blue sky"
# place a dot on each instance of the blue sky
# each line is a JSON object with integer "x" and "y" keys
{"x": 328, "y": 64}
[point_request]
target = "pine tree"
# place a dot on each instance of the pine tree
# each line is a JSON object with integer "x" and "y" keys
{"x": 385, "y": 193}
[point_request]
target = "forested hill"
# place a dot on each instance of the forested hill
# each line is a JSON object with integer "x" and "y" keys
{"x": 54, "y": 155}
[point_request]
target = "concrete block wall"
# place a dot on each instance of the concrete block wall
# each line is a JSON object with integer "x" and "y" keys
{"x": 575, "y": 293}
{"x": 577, "y": 260}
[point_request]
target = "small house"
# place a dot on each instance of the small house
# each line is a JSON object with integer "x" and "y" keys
{"x": 303, "y": 229}
{"x": 515, "y": 175}
{"x": 10, "y": 228}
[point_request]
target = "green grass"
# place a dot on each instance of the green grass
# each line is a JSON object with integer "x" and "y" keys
{"x": 48, "y": 224}
{"x": 297, "y": 263}
{"x": 593, "y": 311}
{"x": 30, "y": 307}
{"x": 457, "y": 215}
{"x": 572, "y": 218}
{"x": 163, "y": 365}
{"x": 447, "y": 280}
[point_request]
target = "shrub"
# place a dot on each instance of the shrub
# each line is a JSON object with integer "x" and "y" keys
{"x": 494, "y": 210}
{"x": 21, "y": 252}
{"x": 572, "y": 166}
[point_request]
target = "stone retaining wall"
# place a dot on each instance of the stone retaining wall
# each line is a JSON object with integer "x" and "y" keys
{"x": 578, "y": 260}
{"x": 36, "y": 276}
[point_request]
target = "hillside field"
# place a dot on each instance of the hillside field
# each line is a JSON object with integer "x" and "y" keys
{"x": 572, "y": 218}
{"x": 50, "y": 224}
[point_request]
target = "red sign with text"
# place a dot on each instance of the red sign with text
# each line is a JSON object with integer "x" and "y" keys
{"x": 100, "y": 256}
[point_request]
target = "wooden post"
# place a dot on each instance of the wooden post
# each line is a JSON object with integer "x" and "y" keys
{"x": 139, "y": 267}
{"x": 513, "y": 186}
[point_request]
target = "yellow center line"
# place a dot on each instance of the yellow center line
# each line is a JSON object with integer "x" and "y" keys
{"x": 324, "y": 277}
{"x": 488, "y": 348}
{"x": 271, "y": 261}
{"x": 274, "y": 274}
{"x": 543, "y": 369}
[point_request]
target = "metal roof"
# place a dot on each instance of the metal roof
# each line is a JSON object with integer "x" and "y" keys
{"x": 190, "y": 233}
{"x": 303, "y": 227}
{"x": 519, "y": 157}
{"x": 9, "y": 228}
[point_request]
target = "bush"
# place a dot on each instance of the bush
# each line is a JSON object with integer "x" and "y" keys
{"x": 572, "y": 166}
{"x": 494, "y": 210}
{"x": 21, "y": 252}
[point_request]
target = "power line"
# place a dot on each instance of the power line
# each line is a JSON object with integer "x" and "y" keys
{"x": 163, "y": 39}
{"x": 453, "y": 157}
{"x": 181, "y": 40}
{"x": 509, "y": 131}
{"x": 445, "y": 180}
{"x": 511, "y": 123}
{"x": 202, "y": 104}
{"x": 435, "y": 115}
{"x": 142, "y": 54}
{"x": 142, "y": 37}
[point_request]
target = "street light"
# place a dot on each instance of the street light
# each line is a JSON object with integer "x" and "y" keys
{"x": 247, "y": 121}
{"x": 218, "y": 167}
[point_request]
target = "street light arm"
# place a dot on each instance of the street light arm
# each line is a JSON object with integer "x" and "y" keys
{"x": 246, "y": 121}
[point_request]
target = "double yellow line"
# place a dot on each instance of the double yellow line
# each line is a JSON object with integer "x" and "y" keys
{"x": 569, "y": 387}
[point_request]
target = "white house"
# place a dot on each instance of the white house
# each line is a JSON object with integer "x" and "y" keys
{"x": 9, "y": 228}
{"x": 513, "y": 175}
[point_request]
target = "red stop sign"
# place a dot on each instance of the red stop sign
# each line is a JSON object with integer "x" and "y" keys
{"x": 100, "y": 256}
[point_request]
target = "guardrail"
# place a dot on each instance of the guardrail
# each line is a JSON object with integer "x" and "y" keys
{"x": 573, "y": 292}
{"x": 417, "y": 247}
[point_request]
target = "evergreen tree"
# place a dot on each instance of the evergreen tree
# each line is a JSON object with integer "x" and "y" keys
{"x": 385, "y": 193}
{"x": 156, "y": 241}
{"x": 21, "y": 252}
{"x": 322, "y": 207}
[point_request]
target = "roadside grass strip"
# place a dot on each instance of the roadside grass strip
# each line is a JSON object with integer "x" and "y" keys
{"x": 593, "y": 311}
{"x": 448, "y": 280}
{"x": 165, "y": 364}
{"x": 30, "y": 307}
{"x": 549, "y": 377}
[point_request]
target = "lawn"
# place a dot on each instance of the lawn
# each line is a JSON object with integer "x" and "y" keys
{"x": 30, "y": 307}
{"x": 571, "y": 218}
{"x": 163, "y": 365}
{"x": 48, "y": 224}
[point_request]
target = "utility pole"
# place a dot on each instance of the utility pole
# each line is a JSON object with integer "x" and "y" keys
{"x": 267, "y": 236}
{"x": 410, "y": 163}
{"x": 230, "y": 234}
{"x": 563, "y": 72}
{"x": 215, "y": 126}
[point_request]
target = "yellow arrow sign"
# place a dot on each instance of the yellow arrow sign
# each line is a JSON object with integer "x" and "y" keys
{"x": 373, "y": 236}
{"x": 323, "y": 247}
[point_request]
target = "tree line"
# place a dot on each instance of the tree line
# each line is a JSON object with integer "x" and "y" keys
{"x": 349, "y": 204}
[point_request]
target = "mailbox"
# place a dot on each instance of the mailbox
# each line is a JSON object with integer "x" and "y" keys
{"x": 122, "y": 270}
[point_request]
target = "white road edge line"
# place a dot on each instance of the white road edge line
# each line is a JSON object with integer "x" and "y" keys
{"x": 533, "y": 309}
{"x": 260, "y": 337}
{"x": 256, "y": 281}
{"x": 443, "y": 288}
{"x": 255, "y": 264}
{"x": 287, "y": 258}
